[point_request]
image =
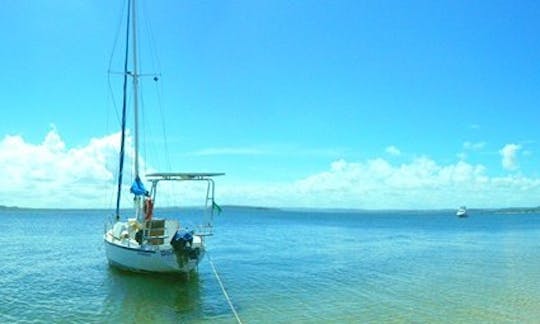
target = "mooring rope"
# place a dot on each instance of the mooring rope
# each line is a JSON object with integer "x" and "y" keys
{"x": 223, "y": 290}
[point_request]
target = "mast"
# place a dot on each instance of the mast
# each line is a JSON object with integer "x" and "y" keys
{"x": 124, "y": 108}
{"x": 135, "y": 76}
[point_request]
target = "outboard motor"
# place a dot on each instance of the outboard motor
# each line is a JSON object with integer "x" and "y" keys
{"x": 182, "y": 244}
{"x": 181, "y": 240}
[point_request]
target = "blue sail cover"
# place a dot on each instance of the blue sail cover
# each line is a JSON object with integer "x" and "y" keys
{"x": 137, "y": 188}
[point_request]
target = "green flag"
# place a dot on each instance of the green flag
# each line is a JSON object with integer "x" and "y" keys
{"x": 216, "y": 207}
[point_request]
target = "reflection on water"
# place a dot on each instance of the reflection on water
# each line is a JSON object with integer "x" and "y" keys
{"x": 140, "y": 297}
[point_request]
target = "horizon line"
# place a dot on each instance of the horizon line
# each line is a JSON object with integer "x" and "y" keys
{"x": 349, "y": 209}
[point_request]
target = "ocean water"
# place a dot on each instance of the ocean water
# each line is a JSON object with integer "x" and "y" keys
{"x": 282, "y": 267}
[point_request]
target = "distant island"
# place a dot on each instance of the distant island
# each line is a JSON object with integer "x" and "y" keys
{"x": 506, "y": 210}
{"x": 9, "y": 207}
{"x": 516, "y": 210}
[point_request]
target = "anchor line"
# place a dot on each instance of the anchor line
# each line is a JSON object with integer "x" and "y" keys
{"x": 223, "y": 289}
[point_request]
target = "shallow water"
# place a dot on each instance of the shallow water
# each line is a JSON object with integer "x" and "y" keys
{"x": 282, "y": 266}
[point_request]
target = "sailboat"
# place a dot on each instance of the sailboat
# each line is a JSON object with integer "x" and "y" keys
{"x": 143, "y": 241}
{"x": 461, "y": 212}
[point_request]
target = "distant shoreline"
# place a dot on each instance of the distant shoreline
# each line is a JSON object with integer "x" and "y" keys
{"x": 506, "y": 210}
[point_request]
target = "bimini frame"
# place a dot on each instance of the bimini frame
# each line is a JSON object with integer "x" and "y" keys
{"x": 155, "y": 178}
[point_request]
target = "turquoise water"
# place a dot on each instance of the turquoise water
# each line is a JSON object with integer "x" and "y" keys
{"x": 282, "y": 267}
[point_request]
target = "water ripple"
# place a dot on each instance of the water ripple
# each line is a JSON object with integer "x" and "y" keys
{"x": 283, "y": 267}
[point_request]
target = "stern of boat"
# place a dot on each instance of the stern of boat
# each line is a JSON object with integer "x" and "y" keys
{"x": 154, "y": 246}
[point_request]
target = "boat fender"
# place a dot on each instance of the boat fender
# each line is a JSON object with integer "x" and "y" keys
{"x": 148, "y": 209}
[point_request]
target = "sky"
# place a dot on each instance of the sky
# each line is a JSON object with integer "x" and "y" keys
{"x": 317, "y": 104}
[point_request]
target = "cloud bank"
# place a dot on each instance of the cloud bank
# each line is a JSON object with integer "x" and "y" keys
{"x": 49, "y": 174}
{"x": 378, "y": 184}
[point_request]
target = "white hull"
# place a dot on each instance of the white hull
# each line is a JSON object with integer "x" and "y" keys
{"x": 129, "y": 255}
{"x": 462, "y": 212}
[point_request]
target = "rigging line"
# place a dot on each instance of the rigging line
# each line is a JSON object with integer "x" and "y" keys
{"x": 146, "y": 132}
{"x": 109, "y": 72}
{"x": 118, "y": 29}
{"x": 151, "y": 40}
{"x": 156, "y": 66}
{"x": 111, "y": 91}
{"x": 163, "y": 125}
{"x": 223, "y": 290}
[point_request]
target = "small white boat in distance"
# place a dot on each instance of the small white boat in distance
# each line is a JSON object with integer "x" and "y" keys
{"x": 461, "y": 212}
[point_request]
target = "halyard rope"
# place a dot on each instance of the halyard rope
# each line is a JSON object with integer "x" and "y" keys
{"x": 223, "y": 290}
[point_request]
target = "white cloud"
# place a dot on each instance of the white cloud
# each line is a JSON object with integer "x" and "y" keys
{"x": 422, "y": 183}
{"x": 508, "y": 154}
{"x": 392, "y": 150}
{"x": 378, "y": 184}
{"x": 50, "y": 174}
{"x": 230, "y": 151}
{"x": 474, "y": 146}
{"x": 269, "y": 150}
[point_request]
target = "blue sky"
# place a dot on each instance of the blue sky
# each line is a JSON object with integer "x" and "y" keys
{"x": 354, "y": 104}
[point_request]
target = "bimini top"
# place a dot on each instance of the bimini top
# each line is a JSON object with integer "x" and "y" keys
{"x": 182, "y": 175}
